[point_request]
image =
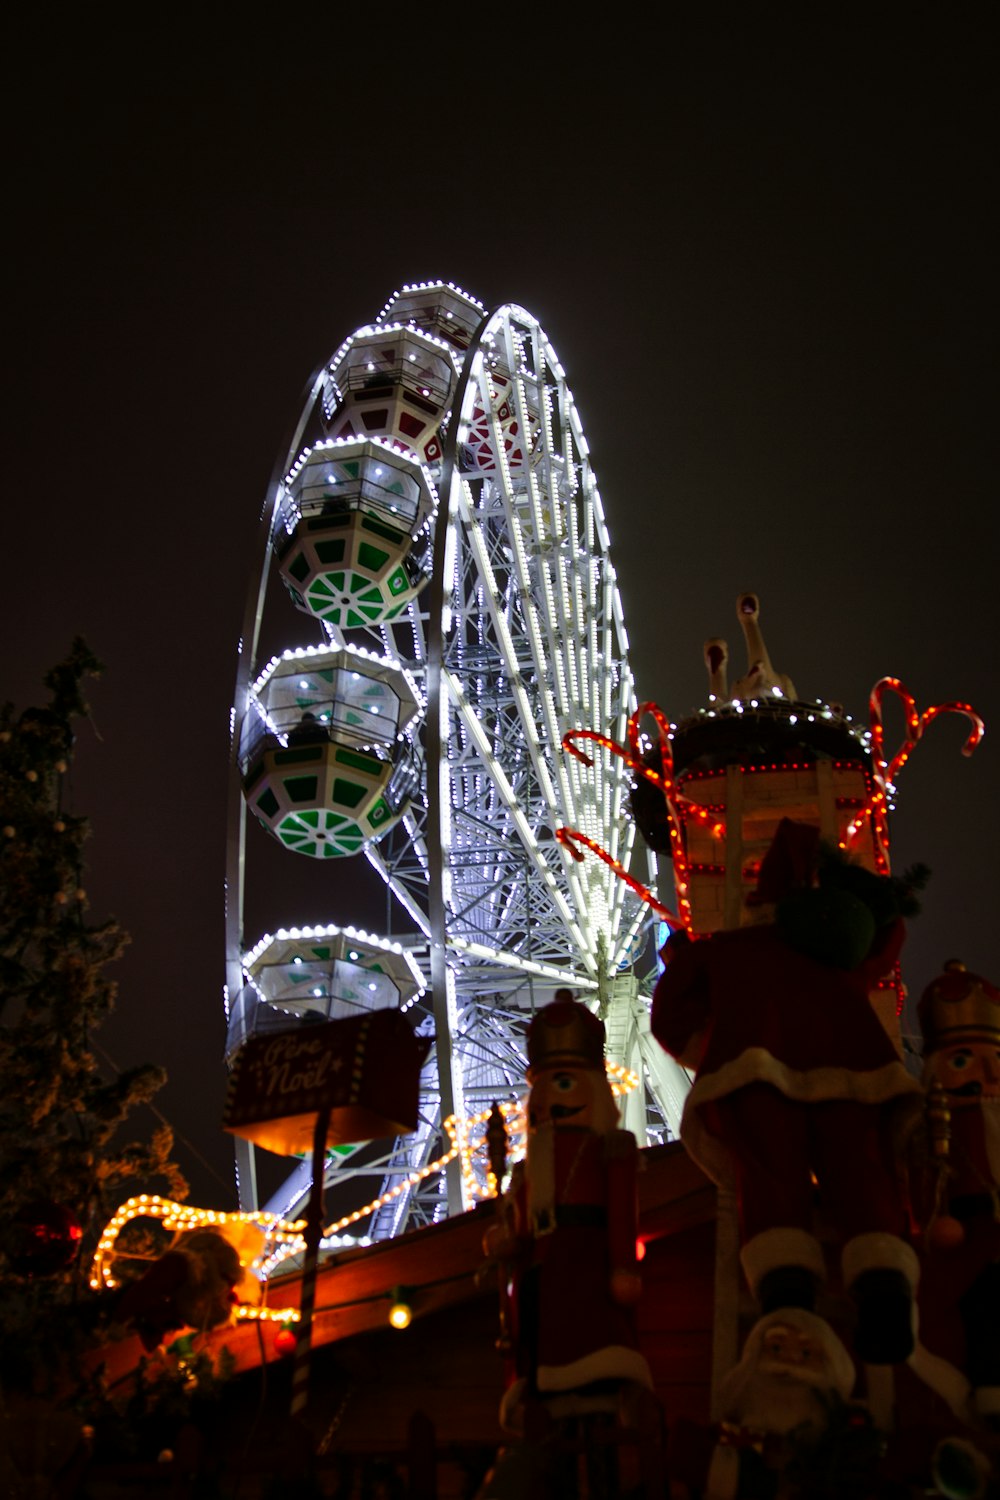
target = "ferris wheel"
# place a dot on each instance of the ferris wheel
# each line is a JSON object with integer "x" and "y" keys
{"x": 437, "y": 519}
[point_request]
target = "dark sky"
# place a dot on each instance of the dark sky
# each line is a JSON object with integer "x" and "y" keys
{"x": 767, "y": 259}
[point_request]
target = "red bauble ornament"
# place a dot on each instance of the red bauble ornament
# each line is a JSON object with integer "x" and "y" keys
{"x": 285, "y": 1341}
{"x": 945, "y": 1233}
{"x": 42, "y": 1239}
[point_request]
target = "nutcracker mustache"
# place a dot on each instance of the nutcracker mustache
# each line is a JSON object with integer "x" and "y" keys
{"x": 556, "y": 1112}
{"x": 988, "y": 1115}
{"x": 991, "y": 1136}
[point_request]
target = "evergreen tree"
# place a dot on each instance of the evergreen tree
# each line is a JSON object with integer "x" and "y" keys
{"x": 63, "y": 1168}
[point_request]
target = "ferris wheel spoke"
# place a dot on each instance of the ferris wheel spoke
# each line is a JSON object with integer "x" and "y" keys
{"x": 551, "y": 599}
{"x": 519, "y": 964}
{"x": 512, "y": 801}
{"x": 527, "y": 710}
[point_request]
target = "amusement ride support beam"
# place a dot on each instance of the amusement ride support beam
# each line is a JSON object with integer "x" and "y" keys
{"x": 438, "y": 790}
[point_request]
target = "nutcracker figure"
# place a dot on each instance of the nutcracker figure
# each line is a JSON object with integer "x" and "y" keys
{"x": 568, "y": 1229}
{"x": 960, "y": 1301}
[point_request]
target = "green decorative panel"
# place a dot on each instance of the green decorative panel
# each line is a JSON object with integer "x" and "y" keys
{"x": 330, "y": 811}
{"x": 379, "y": 528}
{"x": 299, "y": 755}
{"x": 372, "y": 558}
{"x": 331, "y": 551}
{"x": 348, "y": 793}
{"x": 356, "y": 761}
{"x": 302, "y": 788}
{"x": 321, "y": 833}
{"x": 351, "y": 580}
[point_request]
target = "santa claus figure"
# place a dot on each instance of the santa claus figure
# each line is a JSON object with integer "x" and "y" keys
{"x": 197, "y": 1284}
{"x": 568, "y": 1227}
{"x": 795, "y": 1081}
{"x": 960, "y": 1303}
{"x": 794, "y": 1376}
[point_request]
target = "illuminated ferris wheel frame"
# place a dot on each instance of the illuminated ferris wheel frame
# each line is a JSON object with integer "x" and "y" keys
{"x": 518, "y": 638}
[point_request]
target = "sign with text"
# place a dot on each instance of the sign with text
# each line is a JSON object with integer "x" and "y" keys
{"x": 365, "y": 1070}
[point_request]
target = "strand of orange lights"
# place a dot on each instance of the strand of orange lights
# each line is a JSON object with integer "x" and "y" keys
{"x": 179, "y": 1217}
{"x": 287, "y": 1235}
{"x": 182, "y": 1217}
{"x": 622, "y": 1080}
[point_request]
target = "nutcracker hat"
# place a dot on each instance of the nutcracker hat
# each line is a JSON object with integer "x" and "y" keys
{"x": 565, "y": 1034}
{"x": 959, "y": 1007}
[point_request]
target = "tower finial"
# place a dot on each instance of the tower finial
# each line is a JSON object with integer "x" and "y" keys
{"x": 761, "y": 676}
{"x": 717, "y": 662}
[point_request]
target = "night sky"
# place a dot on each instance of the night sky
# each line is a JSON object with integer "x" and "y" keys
{"x": 767, "y": 260}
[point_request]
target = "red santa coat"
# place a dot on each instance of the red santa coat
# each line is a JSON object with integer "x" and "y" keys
{"x": 744, "y": 1008}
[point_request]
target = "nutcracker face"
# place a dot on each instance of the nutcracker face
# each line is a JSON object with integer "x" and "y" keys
{"x": 568, "y": 1097}
{"x": 968, "y": 1073}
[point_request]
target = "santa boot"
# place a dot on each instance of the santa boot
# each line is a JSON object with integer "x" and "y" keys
{"x": 784, "y": 1268}
{"x": 881, "y": 1273}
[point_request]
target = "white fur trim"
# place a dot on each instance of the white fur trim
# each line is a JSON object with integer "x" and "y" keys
{"x": 948, "y": 1447}
{"x": 879, "y": 1252}
{"x": 723, "y": 1478}
{"x": 616, "y": 1362}
{"x": 808, "y": 1086}
{"x": 781, "y": 1247}
{"x": 944, "y": 1379}
{"x": 540, "y": 1174}
{"x": 987, "y": 1400}
{"x": 512, "y": 1408}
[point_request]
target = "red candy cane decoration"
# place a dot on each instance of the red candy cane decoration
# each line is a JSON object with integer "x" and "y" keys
{"x": 679, "y": 807}
{"x": 632, "y": 757}
{"x": 885, "y": 771}
{"x": 569, "y": 837}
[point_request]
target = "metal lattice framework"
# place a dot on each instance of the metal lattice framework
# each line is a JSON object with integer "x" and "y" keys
{"x": 517, "y": 638}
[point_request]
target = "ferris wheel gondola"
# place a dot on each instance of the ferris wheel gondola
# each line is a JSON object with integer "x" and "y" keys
{"x": 437, "y": 517}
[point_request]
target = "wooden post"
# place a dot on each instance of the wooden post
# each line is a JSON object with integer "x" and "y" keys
{"x": 314, "y": 1233}
{"x": 733, "y": 895}
{"x": 421, "y": 1457}
{"x": 728, "y": 1281}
